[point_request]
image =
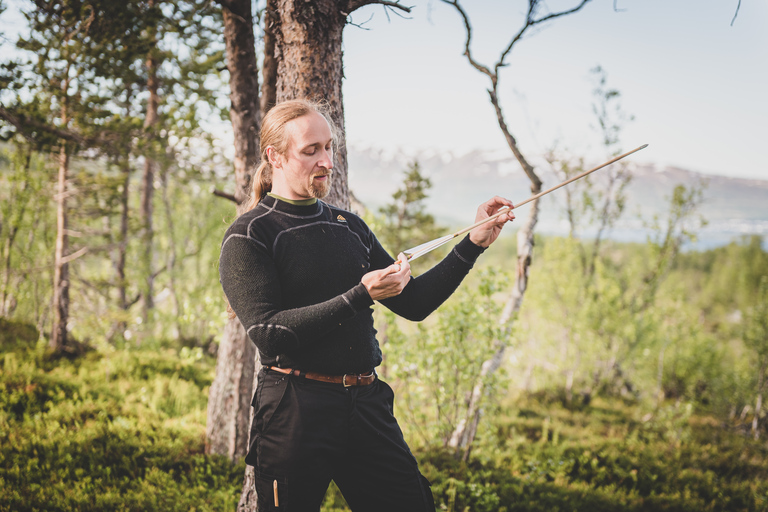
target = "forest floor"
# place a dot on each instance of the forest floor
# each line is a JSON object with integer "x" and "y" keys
{"x": 125, "y": 430}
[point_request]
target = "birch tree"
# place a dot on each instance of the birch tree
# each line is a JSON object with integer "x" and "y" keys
{"x": 462, "y": 437}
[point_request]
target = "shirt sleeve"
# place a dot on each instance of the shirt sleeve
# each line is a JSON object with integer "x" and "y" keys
{"x": 425, "y": 293}
{"x": 250, "y": 282}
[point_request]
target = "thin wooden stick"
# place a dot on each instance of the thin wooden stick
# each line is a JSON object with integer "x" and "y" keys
{"x": 423, "y": 249}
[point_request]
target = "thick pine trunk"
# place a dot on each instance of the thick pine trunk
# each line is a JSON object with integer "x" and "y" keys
{"x": 244, "y": 91}
{"x": 229, "y": 399}
{"x": 269, "y": 71}
{"x": 307, "y": 38}
{"x": 229, "y": 411}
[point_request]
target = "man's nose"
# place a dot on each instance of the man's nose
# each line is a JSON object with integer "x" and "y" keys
{"x": 327, "y": 159}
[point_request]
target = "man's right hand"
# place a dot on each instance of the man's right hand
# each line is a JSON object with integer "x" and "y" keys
{"x": 390, "y": 281}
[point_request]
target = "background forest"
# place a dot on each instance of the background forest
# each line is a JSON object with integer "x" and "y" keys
{"x": 568, "y": 373}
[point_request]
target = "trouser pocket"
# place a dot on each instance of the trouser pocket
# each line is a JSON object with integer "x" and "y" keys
{"x": 267, "y": 400}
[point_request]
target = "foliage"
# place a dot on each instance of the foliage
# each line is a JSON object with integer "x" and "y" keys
{"x": 602, "y": 457}
{"x": 405, "y": 222}
{"x": 435, "y": 369}
{"x": 123, "y": 430}
{"x": 114, "y": 430}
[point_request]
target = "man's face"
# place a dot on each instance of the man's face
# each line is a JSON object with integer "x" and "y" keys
{"x": 304, "y": 171}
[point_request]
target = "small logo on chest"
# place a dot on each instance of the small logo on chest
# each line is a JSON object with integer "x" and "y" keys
{"x": 341, "y": 219}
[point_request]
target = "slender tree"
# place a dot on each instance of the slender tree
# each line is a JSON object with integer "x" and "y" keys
{"x": 464, "y": 434}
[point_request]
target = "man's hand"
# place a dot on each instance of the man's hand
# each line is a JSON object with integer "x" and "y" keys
{"x": 390, "y": 281}
{"x": 486, "y": 234}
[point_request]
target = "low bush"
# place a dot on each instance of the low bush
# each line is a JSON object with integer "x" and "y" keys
{"x": 123, "y": 430}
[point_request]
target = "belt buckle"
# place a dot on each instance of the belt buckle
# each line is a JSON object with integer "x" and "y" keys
{"x": 344, "y": 381}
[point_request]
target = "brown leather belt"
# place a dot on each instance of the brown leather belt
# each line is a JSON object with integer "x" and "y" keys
{"x": 347, "y": 380}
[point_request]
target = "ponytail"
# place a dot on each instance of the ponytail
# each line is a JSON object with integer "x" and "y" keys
{"x": 261, "y": 183}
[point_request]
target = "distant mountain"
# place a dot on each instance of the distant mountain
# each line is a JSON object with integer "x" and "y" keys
{"x": 732, "y": 206}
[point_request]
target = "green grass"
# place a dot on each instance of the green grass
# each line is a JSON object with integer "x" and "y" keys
{"x": 117, "y": 431}
{"x": 124, "y": 430}
{"x": 605, "y": 457}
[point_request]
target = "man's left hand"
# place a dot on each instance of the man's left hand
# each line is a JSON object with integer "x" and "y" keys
{"x": 487, "y": 233}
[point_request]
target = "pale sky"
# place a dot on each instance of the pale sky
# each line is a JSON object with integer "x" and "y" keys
{"x": 696, "y": 85}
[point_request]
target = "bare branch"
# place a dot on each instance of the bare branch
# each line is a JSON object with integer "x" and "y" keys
{"x": 26, "y": 127}
{"x": 353, "y": 5}
{"x": 530, "y": 21}
{"x": 736, "y": 13}
{"x": 74, "y": 256}
{"x": 467, "y": 52}
{"x": 225, "y": 195}
{"x": 358, "y": 25}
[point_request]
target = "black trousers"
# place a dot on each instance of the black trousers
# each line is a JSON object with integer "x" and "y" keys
{"x": 306, "y": 433}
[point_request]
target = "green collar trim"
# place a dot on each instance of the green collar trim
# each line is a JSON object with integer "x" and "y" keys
{"x": 297, "y": 202}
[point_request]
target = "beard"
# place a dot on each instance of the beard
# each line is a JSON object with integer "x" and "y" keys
{"x": 320, "y": 189}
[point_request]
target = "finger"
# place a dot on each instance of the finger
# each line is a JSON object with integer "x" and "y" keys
{"x": 405, "y": 267}
{"x": 499, "y": 202}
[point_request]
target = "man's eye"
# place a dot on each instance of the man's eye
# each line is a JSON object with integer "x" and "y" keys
{"x": 310, "y": 152}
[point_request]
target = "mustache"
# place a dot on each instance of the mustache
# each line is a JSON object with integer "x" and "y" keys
{"x": 328, "y": 173}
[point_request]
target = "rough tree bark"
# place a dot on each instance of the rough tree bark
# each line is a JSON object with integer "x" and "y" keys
{"x": 229, "y": 411}
{"x": 307, "y": 39}
{"x": 58, "y": 340}
{"x": 463, "y": 436}
{"x": 244, "y": 111}
{"x": 269, "y": 71}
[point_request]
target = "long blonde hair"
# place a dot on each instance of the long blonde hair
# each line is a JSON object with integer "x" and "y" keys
{"x": 273, "y": 134}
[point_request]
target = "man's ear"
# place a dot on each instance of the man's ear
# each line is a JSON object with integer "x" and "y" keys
{"x": 274, "y": 157}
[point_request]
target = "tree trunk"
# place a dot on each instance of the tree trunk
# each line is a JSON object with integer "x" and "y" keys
{"x": 464, "y": 435}
{"x": 122, "y": 285}
{"x": 148, "y": 183}
{"x": 309, "y": 65}
{"x": 60, "y": 305}
{"x": 229, "y": 410}
{"x": 61, "y": 267}
{"x": 248, "y": 498}
{"x": 244, "y": 91}
{"x": 229, "y": 399}
{"x": 268, "y": 88}
{"x": 170, "y": 262}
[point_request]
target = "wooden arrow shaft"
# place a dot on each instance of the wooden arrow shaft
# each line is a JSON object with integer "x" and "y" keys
{"x": 427, "y": 247}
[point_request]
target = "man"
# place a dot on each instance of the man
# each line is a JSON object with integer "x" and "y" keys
{"x": 302, "y": 277}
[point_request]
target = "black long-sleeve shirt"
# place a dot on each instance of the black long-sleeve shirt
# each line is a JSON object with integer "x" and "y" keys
{"x": 292, "y": 274}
